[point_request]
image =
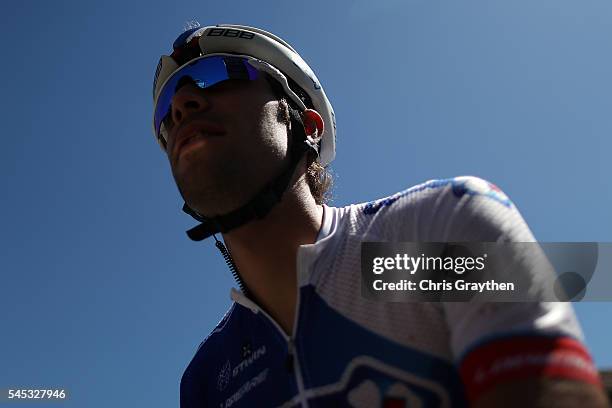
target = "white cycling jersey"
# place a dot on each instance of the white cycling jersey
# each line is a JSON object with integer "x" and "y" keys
{"x": 346, "y": 350}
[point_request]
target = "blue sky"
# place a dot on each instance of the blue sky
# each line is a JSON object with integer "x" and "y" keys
{"x": 103, "y": 294}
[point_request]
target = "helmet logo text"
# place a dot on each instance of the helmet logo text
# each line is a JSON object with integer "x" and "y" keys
{"x": 228, "y": 32}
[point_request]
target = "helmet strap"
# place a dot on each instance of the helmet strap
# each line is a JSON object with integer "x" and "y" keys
{"x": 261, "y": 204}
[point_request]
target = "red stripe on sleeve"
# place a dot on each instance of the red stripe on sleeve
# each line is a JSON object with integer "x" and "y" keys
{"x": 521, "y": 357}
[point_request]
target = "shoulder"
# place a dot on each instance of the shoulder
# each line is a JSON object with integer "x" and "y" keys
{"x": 451, "y": 188}
{"x": 452, "y": 209}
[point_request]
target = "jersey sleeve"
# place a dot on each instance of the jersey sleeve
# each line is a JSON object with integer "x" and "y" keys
{"x": 494, "y": 342}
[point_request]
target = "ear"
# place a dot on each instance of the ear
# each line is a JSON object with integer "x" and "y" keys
{"x": 313, "y": 123}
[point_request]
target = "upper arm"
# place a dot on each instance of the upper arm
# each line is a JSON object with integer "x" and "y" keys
{"x": 532, "y": 365}
{"x": 499, "y": 344}
{"x": 543, "y": 392}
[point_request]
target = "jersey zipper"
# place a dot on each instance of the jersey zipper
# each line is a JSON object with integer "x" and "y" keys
{"x": 298, "y": 372}
{"x": 292, "y": 358}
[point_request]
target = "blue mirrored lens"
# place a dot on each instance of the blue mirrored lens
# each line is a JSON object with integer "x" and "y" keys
{"x": 204, "y": 72}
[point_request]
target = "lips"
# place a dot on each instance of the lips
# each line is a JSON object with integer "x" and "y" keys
{"x": 193, "y": 130}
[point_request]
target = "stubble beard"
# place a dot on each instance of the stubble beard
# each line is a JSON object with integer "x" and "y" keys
{"x": 212, "y": 189}
{"x": 228, "y": 180}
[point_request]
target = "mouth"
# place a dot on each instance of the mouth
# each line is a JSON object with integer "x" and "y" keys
{"x": 192, "y": 140}
{"x": 194, "y": 134}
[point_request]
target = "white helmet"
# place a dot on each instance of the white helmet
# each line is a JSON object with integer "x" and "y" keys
{"x": 280, "y": 60}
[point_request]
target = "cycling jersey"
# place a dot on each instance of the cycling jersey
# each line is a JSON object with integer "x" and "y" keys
{"x": 346, "y": 350}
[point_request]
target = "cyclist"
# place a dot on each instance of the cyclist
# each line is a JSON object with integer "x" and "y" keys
{"x": 248, "y": 131}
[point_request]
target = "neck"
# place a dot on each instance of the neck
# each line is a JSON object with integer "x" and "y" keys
{"x": 265, "y": 250}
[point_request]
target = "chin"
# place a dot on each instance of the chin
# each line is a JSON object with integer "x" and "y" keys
{"x": 218, "y": 186}
{"x": 212, "y": 199}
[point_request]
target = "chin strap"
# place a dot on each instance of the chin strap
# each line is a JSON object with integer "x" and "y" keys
{"x": 264, "y": 201}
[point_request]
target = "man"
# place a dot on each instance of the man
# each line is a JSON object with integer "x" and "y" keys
{"x": 247, "y": 128}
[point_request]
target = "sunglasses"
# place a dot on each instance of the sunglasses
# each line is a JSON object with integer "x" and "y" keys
{"x": 204, "y": 72}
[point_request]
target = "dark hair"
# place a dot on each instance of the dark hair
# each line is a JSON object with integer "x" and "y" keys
{"x": 318, "y": 178}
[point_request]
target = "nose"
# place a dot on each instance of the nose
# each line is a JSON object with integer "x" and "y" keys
{"x": 187, "y": 100}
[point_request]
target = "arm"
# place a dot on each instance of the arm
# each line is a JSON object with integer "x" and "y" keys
{"x": 532, "y": 371}
{"x": 522, "y": 354}
{"x": 543, "y": 392}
